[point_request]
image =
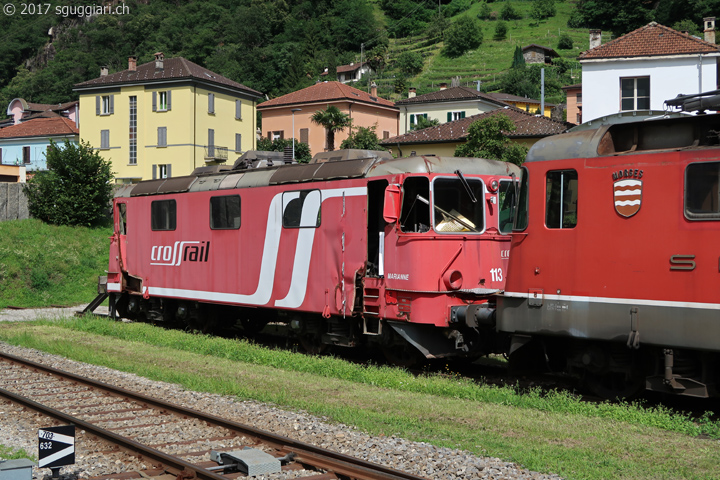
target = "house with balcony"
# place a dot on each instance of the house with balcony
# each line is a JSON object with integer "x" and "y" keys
{"x": 289, "y": 116}
{"x": 444, "y": 105}
{"x": 165, "y": 118}
{"x": 26, "y": 143}
{"x": 640, "y": 70}
{"x": 443, "y": 139}
{"x": 351, "y": 73}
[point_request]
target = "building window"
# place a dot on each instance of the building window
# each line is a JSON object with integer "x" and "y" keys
{"x": 211, "y": 103}
{"x": 578, "y": 98}
{"x": 104, "y": 139}
{"x": 452, "y": 116}
{"x": 161, "y": 171}
{"x": 301, "y": 209}
{"x": 238, "y": 110}
{"x": 132, "y": 131}
{"x": 162, "y": 101}
{"x": 386, "y": 134}
{"x": 238, "y": 142}
{"x": 162, "y": 137}
{"x": 104, "y": 104}
{"x": 561, "y": 195}
{"x": 702, "y": 191}
{"x": 414, "y": 119}
{"x": 635, "y": 93}
{"x": 26, "y": 155}
{"x": 163, "y": 215}
{"x": 225, "y": 212}
{"x": 304, "y": 135}
{"x": 279, "y": 134}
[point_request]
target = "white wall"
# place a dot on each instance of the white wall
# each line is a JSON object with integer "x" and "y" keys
{"x": 668, "y": 78}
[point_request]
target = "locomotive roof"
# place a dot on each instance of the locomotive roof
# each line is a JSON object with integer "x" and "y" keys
{"x": 623, "y": 137}
{"x": 369, "y": 164}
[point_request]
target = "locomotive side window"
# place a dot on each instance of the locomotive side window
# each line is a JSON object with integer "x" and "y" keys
{"x": 561, "y": 199}
{"x": 163, "y": 215}
{"x": 415, "y": 216}
{"x": 301, "y": 209}
{"x": 521, "y": 217}
{"x": 702, "y": 195}
{"x": 122, "y": 218}
{"x": 506, "y": 197}
{"x": 225, "y": 212}
{"x": 453, "y": 205}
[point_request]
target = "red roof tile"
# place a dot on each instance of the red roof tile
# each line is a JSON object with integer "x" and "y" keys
{"x": 649, "y": 41}
{"x": 40, "y": 127}
{"x": 450, "y": 95}
{"x": 526, "y": 124}
{"x": 173, "y": 69}
{"x": 326, "y": 92}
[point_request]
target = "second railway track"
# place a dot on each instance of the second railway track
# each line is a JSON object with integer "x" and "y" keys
{"x": 175, "y": 439}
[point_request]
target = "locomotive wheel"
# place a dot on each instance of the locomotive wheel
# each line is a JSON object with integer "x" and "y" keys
{"x": 615, "y": 385}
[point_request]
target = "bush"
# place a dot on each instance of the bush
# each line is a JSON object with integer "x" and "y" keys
{"x": 76, "y": 188}
{"x": 542, "y": 9}
{"x": 509, "y": 13}
{"x": 363, "y": 138}
{"x": 501, "y": 30}
{"x": 463, "y": 35}
{"x": 410, "y": 63}
{"x": 565, "y": 42}
{"x": 302, "y": 150}
{"x": 485, "y": 11}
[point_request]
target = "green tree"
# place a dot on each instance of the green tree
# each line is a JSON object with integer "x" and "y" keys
{"x": 410, "y": 63}
{"x": 508, "y": 12}
{"x": 501, "y": 30}
{"x": 363, "y": 138}
{"x": 488, "y": 138}
{"x": 518, "y": 58}
{"x": 464, "y": 34}
{"x": 484, "y": 12}
{"x": 565, "y": 42}
{"x": 333, "y": 120}
{"x": 423, "y": 122}
{"x": 76, "y": 188}
{"x": 687, "y": 26}
{"x": 437, "y": 26}
{"x": 542, "y": 9}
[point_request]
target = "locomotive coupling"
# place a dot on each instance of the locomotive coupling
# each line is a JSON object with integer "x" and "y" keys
{"x": 473, "y": 316}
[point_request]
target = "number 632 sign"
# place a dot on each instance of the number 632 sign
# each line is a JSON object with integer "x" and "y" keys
{"x": 56, "y": 446}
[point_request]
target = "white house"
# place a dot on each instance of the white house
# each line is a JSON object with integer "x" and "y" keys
{"x": 642, "y": 69}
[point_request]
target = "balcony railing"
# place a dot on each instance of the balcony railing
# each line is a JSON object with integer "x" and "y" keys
{"x": 213, "y": 153}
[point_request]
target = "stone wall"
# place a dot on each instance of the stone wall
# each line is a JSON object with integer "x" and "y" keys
{"x": 13, "y": 202}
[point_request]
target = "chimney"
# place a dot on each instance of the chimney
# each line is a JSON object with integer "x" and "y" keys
{"x": 443, "y": 86}
{"x": 103, "y": 71}
{"x": 709, "y": 29}
{"x": 411, "y": 92}
{"x": 373, "y": 89}
{"x": 159, "y": 57}
{"x": 132, "y": 64}
{"x": 595, "y": 38}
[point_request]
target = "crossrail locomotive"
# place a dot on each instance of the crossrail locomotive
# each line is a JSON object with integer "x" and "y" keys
{"x": 614, "y": 265}
{"x": 352, "y": 249}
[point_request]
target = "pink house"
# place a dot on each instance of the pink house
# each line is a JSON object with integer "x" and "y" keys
{"x": 289, "y": 116}
{"x": 19, "y": 109}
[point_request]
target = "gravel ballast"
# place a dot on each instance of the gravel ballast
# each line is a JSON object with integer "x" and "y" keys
{"x": 18, "y": 427}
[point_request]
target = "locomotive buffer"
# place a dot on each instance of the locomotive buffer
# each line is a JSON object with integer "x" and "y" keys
{"x": 56, "y": 448}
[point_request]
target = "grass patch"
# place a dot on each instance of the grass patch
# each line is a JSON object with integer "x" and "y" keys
{"x": 43, "y": 264}
{"x": 7, "y": 453}
{"x": 549, "y": 433}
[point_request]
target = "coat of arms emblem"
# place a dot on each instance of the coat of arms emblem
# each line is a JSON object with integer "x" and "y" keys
{"x": 628, "y": 196}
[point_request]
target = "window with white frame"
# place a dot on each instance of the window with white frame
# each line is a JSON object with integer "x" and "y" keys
{"x": 635, "y": 93}
{"x": 452, "y": 116}
{"x": 415, "y": 118}
{"x": 104, "y": 104}
{"x": 161, "y": 101}
{"x": 164, "y": 171}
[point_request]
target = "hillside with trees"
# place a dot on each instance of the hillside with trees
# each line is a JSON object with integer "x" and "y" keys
{"x": 278, "y": 46}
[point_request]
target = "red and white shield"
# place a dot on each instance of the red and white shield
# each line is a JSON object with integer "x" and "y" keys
{"x": 628, "y": 196}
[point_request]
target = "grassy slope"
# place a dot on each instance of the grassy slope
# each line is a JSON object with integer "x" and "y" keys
{"x": 42, "y": 265}
{"x": 556, "y": 434}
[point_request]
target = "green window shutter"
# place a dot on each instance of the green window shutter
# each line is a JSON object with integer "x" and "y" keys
{"x": 412, "y": 119}
{"x": 449, "y": 116}
{"x": 462, "y": 114}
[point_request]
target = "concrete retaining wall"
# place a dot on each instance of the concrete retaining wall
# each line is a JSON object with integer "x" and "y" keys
{"x": 13, "y": 202}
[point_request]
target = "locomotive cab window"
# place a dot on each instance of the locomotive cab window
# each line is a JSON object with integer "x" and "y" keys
{"x": 415, "y": 215}
{"x": 225, "y": 212}
{"x": 301, "y": 209}
{"x": 458, "y": 205}
{"x": 122, "y": 218}
{"x": 561, "y": 199}
{"x": 521, "y": 216}
{"x": 506, "y": 199}
{"x": 163, "y": 215}
{"x": 702, "y": 192}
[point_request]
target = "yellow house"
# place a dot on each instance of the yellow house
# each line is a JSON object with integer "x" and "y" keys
{"x": 523, "y": 103}
{"x": 165, "y": 118}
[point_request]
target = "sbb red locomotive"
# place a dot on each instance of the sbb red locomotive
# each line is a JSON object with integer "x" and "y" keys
{"x": 614, "y": 270}
{"x": 405, "y": 253}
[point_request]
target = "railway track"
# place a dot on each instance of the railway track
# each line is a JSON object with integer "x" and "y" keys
{"x": 178, "y": 441}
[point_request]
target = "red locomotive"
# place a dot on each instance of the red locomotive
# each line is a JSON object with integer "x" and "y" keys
{"x": 614, "y": 267}
{"x": 405, "y": 253}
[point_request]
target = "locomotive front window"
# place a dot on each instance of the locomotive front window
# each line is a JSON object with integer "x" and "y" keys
{"x": 163, "y": 215}
{"x": 702, "y": 192}
{"x": 458, "y": 207}
{"x": 506, "y": 197}
{"x": 521, "y": 217}
{"x": 561, "y": 199}
{"x": 225, "y": 212}
{"x": 301, "y": 209}
{"x": 415, "y": 216}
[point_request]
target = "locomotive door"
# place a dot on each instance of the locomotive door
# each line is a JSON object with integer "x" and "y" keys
{"x": 376, "y": 228}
